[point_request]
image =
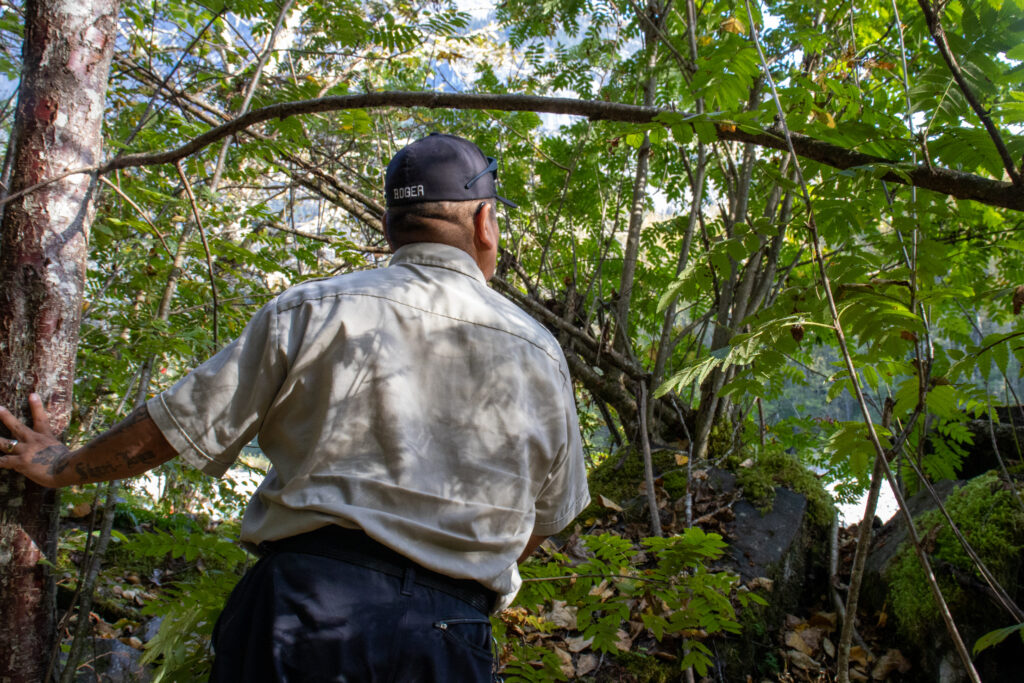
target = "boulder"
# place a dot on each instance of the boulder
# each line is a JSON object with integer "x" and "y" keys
{"x": 783, "y": 545}
{"x": 895, "y": 591}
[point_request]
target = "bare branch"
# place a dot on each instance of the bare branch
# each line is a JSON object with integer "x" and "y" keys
{"x": 939, "y": 36}
{"x": 206, "y": 246}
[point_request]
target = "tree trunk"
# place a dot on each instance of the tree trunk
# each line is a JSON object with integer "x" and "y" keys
{"x": 43, "y": 237}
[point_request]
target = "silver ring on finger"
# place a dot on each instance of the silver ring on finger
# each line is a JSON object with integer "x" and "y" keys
{"x": 10, "y": 445}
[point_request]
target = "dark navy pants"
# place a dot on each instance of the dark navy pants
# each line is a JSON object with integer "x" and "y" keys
{"x": 299, "y": 617}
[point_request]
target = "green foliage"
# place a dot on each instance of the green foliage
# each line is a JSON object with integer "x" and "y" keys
{"x": 990, "y": 518}
{"x": 681, "y": 596}
{"x": 189, "y": 609}
{"x": 920, "y": 281}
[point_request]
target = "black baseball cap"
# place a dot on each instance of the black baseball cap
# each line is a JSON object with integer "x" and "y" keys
{"x": 441, "y": 167}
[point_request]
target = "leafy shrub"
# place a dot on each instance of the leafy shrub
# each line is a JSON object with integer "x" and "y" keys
{"x": 675, "y": 592}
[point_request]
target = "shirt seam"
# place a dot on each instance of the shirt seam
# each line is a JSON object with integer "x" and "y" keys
{"x": 287, "y": 307}
{"x": 433, "y": 262}
{"x": 577, "y": 506}
{"x": 186, "y": 436}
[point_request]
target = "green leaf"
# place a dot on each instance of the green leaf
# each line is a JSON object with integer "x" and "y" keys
{"x": 995, "y": 637}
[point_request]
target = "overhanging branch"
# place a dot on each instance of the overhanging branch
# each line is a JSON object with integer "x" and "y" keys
{"x": 946, "y": 181}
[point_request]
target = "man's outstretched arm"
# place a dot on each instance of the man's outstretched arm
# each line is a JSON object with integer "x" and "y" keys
{"x": 133, "y": 446}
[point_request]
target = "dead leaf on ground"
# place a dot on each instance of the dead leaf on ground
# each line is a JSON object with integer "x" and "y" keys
{"x": 825, "y": 620}
{"x": 761, "y": 583}
{"x": 565, "y": 660}
{"x": 828, "y": 647}
{"x": 859, "y": 656}
{"x": 812, "y": 636}
{"x": 586, "y": 663}
{"x": 578, "y": 643}
{"x": 794, "y": 641}
{"x": 802, "y": 661}
{"x": 606, "y": 502}
{"x": 624, "y": 642}
{"x": 891, "y": 661}
{"x": 561, "y": 615}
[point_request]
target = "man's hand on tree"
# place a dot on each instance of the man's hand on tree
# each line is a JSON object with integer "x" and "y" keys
{"x": 33, "y": 451}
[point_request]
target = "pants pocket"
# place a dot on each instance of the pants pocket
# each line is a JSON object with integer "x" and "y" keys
{"x": 472, "y": 634}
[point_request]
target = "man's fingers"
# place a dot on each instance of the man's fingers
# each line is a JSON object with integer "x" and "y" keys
{"x": 17, "y": 427}
{"x": 40, "y": 418}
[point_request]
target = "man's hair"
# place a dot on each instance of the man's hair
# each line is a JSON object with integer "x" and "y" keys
{"x": 444, "y": 221}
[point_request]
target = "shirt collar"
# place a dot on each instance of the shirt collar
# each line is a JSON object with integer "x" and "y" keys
{"x": 438, "y": 255}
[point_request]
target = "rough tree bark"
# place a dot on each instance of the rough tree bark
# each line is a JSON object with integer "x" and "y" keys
{"x": 43, "y": 237}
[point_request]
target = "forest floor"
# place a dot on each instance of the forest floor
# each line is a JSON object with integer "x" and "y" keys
{"x": 803, "y": 648}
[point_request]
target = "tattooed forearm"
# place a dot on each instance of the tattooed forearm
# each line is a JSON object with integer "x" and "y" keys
{"x": 143, "y": 458}
{"x": 55, "y": 457}
{"x": 136, "y": 416}
{"x": 100, "y": 472}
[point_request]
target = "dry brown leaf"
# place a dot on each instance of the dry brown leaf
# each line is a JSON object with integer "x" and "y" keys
{"x": 624, "y": 642}
{"x": 132, "y": 642}
{"x": 565, "y": 660}
{"x": 681, "y": 459}
{"x": 761, "y": 583}
{"x": 561, "y": 615}
{"x": 608, "y": 503}
{"x": 825, "y": 620}
{"x": 858, "y": 655}
{"x": 802, "y": 661}
{"x": 586, "y": 663}
{"x": 812, "y": 636}
{"x": 828, "y": 647}
{"x": 602, "y": 590}
{"x": 793, "y": 640}
{"x": 891, "y": 661}
{"x": 81, "y": 510}
{"x": 578, "y": 643}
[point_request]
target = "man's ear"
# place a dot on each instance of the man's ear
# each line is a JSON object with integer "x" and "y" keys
{"x": 485, "y": 226}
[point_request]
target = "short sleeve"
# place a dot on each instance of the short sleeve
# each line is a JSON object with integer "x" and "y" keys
{"x": 210, "y": 414}
{"x": 564, "y": 494}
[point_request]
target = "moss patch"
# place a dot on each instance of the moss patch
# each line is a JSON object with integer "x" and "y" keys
{"x": 989, "y": 517}
{"x": 621, "y": 484}
{"x": 774, "y": 467}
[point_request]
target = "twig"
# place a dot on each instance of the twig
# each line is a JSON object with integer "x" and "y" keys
{"x": 206, "y": 246}
{"x": 880, "y": 454}
{"x": 166, "y": 79}
{"x": 939, "y": 36}
{"x": 141, "y": 213}
{"x": 218, "y": 169}
{"x": 652, "y": 501}
{"x": 327, "y": 239}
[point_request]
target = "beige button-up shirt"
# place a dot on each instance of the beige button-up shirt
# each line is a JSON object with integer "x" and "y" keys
{"x": 410, "y": 401}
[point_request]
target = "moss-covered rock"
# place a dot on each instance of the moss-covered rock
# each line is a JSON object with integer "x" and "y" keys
{"x": 774, "y": 467}
{"x": 993, "y": 522}
{"x": 990, "y": 517}
{"x": 620, "y": 475}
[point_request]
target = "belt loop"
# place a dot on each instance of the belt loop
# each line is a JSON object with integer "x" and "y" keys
{"x": 408, "y": 579}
